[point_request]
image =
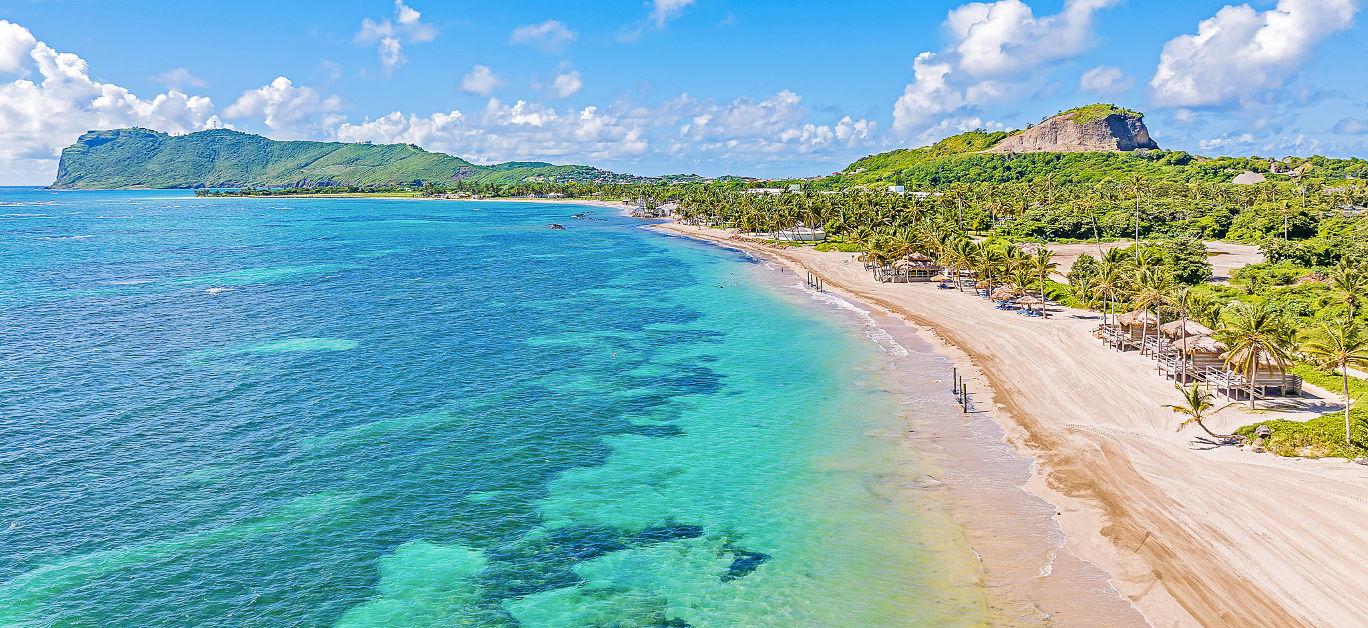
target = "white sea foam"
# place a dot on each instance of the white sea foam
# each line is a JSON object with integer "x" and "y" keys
{"x": 76, "y": 237}
{"x": 218, "y": 290}
{"x": 873, "y": 330}
{"x": 1049, "y": 565}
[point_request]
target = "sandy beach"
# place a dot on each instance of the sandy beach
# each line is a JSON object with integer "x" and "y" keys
{"x": 1191, "y": 534}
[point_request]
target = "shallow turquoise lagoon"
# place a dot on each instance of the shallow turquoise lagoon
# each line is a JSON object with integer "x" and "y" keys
{"x": 291, "y": 412}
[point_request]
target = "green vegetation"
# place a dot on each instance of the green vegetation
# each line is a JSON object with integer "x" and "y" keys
{"x": 1321, "y": 437}
{"x": 221, "y": 158}
{"x": 1198, "y": 405}
{"x": 1093, "y": 113}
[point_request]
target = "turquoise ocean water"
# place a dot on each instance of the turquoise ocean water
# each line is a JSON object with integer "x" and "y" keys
{"x": 304, "y": 412}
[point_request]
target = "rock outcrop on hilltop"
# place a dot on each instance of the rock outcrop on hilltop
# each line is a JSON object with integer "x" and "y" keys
{"x": 1086, "y": 129}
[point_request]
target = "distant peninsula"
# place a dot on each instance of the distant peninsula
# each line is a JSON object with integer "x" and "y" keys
{"x": 223, "y": 158}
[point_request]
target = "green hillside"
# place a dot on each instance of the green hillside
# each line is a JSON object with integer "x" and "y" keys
{"x": 221, "y": 158}
{"x": 959, "y": 159}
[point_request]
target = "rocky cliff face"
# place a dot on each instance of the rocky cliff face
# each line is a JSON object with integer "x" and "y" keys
{"x": 1075, "y": 132}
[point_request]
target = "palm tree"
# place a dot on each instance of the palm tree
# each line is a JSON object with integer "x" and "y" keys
{"x": 1349, "y": 282}
{"x": 1197, "y": 406}
{"x": 1043, "y": 265}
{"x": 1339, "y": 345}
{"x": 1109, "y": 285}
{"x": 1254, "y": 335}
{"x": 1137, "y": 181}
{"x": 1152, "y": 290}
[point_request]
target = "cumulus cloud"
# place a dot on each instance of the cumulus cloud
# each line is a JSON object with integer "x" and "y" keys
{"x": 1005, "y": 37}
{"x": 551, "y": 36}
{"x": 1105, "y": 80}
{"x": 390, "y": 35}
{"x": 481, "y": 80}
{"x": 683, "y": 126}
{"x": 16, "y": 42}
{"x": 176, "y": 78}
{"x": 566, "y": 84}
{"x": 289, "y": 110}
{"x": 54, "y": 101}
{"x": 1240, "y": 54}
{"x": 502, "y": 132}
{"x": 774, "y": 125}
{"x": 996, "y": 49}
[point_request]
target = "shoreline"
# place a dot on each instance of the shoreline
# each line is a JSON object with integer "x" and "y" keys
{"x": 1181, "y": 551}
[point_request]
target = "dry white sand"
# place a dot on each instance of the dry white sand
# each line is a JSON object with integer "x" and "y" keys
{"x": 1193, "y": 535}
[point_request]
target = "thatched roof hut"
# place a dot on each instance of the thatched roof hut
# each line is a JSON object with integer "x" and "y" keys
{"x": 1175, "y": 329}
{"x": 1205, "y": 345}
{"x": 1265, "y": 360}
{"x": 1138, "y": 317}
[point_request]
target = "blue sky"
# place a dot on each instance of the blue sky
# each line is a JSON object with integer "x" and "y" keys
{"x": 705, "y": 86}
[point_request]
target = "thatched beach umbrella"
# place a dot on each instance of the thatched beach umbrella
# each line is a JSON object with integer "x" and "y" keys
{"x": 1030, "y": 299}
{"x": 1138, "y": 317}
{"x": 940, "y": 277}
{"x": 1004, "y": 293}
{"x": 1178, "y": 328}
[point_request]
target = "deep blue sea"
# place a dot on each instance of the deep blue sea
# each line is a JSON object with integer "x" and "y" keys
{"x": 387, "y": 412}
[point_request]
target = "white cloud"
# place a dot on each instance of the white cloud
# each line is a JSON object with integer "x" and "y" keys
{"x": 481, "y": 80}
{"x": 1105, "y": 80}
{"x": 180, "y": 77}
{"x": 1351, "y": 126}
{"x": 16, "y": 42}
{"x": 566, "y": 84}
{"x": 683, "y": 126}
{"x": 291, "y": 111}
{"x": 41, "y": 115}
{"x": 1183, "y": 117}
{"x": 928, "y": 95}
{"x": 1005, "y": 37}
{"x": 551, "y": 36}
{"x": 997, "y": 49}
{"x": 1240, "y": 54}
{"x": 389, "y": 36}
{"x": 503, "y": 132}
{"x": 662, "y": 11}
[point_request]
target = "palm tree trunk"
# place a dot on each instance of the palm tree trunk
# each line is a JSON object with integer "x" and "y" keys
{"x": 1182, "y": 356}
{"x": 1344, "y": 370}
{"x": 1044, "y": 312}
